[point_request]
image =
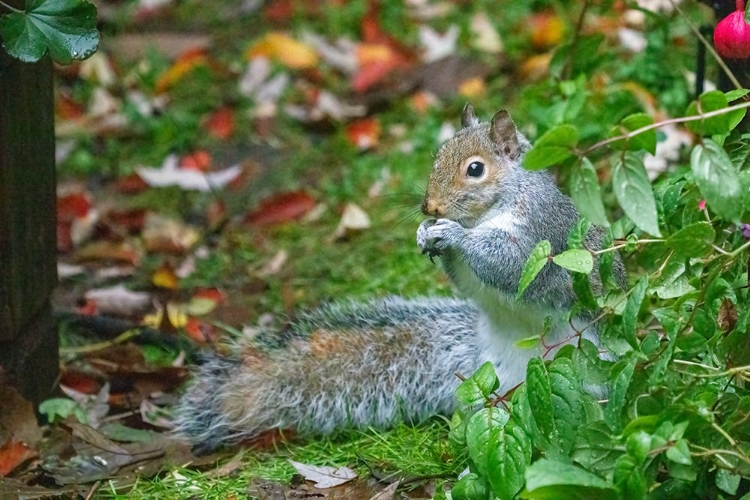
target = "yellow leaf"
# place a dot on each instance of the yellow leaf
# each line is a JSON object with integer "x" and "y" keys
{"x": 286, "y": 50}
{"x": 472, "y": 88}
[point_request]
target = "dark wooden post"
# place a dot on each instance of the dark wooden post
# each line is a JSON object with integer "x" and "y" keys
{"x": 28, "y": 273}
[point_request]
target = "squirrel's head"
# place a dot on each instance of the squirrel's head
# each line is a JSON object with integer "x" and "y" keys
{"x": 470, "y": 168}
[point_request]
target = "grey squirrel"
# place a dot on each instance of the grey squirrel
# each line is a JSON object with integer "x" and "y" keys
{"x": 373, "y": 364}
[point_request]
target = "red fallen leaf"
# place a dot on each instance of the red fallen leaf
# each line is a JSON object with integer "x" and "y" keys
{"x": 80, "y": 382}
{"x": 199, "y": 331}
{"x": 220, "y": 124}
{"x": 364, "y": 133}
{"x": 372, "y": 73}
{"x": 131, "y": 184}
{"x": 200, "y": 161}
{"x": 72, "y": 206}
{"x": 88, "y": 308}
{"x": 281, "y": 208}
{"x": 211, "y": 294}
{"x": 13, "y": 454}
{"x": 67, "y": 109}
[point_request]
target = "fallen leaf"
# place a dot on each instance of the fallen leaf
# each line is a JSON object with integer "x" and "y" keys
{"x": 286, "y": 50}
{"x": 163, "y": 234}
{"x": 185, "y": 64}
{"x": 109, "y": 251}
{"x": 281, "y": 208}
{"x": 486, "y": 37}
{"x": 170, "y": 175}
{"x": 547, "y": 30}
{"x": 12, "y": 454}
{"x": 17, "y": 418}
{"x": 119, "y": 301}
{"x": 220, "y": 123}
{"x": 473, "y": 88}
{"x": 353, "y": 220}
{"x": 365, "y": 134}
{"x": 199, "y": 161}
{"x": 131, "y": 184}
{"x": 388, "y": 493}
{"x": 436, "y": 46}
{"x": 165, "y": 277}
{"x": 324, "y": 477}
{"x": 199, "y": 331}
{"x": 274, "y": 265}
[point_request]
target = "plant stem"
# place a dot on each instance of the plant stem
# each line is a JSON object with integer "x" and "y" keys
{"x": 638, "y": 131}
{"x": 709, "y": 46}
{"x": 10, "y": 8}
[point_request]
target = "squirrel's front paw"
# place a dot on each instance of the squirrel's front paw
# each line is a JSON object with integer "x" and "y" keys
{"x": 434, "y": 236}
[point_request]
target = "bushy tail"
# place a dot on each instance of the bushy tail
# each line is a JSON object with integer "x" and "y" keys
{"x": 352, "y": 365}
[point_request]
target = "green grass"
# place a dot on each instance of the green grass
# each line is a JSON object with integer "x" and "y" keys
{"x": 405, "y": 451}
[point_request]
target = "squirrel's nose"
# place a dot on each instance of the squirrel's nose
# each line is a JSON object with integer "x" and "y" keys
{"x": 431, "y": 207}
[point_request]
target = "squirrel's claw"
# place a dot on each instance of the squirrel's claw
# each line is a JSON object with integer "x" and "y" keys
{"x": 431, "y": 253}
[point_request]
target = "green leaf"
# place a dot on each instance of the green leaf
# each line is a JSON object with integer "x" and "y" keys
{"x": 582, "y": 288}
{"x": 478, "y": 430}
{"x": 735, "y": 94}
{"x": 576, "y": 259}
{"x": 595, "y": 448}
{"x": 713, "y": 100}
{"x": 65, "y": 28}
{"x": 553, "y": 147}
{"x": 645, "y": 140}
{"x": 727, "y": 482}
{"x": 549, "y": 479}
{"x": 539, "y": 394}
{"x": 509, "y": 455}
{"x": 586, "y": 193}
{"x": 62, "y": 408}
{"x": 475, "y": 389}
{"x": 629, "y": 479}
{"x": 470, "y": 487}
{"x": 528, "y": 342}
{"x": 680, "y": 453}
{"x": 717, "y": 179}
{"x": 632, "y": 307}
{"x": 534, "y": 264}
{"x": 633, "y": 191}
{"x": 693, "y": 241}
{"x": 566, "y": 395}
{"x": 622, "y": 374}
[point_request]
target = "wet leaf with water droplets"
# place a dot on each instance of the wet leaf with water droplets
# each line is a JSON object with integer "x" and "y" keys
{"x": 65, "y": 28}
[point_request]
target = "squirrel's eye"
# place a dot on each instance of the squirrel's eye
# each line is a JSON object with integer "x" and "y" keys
{"x": 476, "y": 169}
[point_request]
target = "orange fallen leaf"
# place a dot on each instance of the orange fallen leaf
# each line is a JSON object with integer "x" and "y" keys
{"x": 13, "y": 454}
{"x": 220, "y": 124}
{"x": 472, "y": 88}
{"x": 365, "y": 133}
{"x": 281, "y": 208}
{"x": 200, "y": 161}
{"x": 185, "y": 64}
{"x": 199, "y": 331}
{"x": 286, "y": 50}
{"x": 547, "y": 30}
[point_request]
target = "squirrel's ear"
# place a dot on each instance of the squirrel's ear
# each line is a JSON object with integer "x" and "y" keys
{"x": 503, "y": 133}
{"x": 468, "y": 118}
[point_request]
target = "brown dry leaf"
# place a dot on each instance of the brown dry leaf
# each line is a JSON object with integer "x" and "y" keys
{"x": 108, "y": 251}
{"x": 388, "y": 493}
{"x": 727, "y": 318}
{"x": 17, "y": 417}
{"x": 281, "y": 208}
{"x": 286, "y": 50}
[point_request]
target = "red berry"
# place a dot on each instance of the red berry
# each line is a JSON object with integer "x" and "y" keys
{"x": 732, "y": 34}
